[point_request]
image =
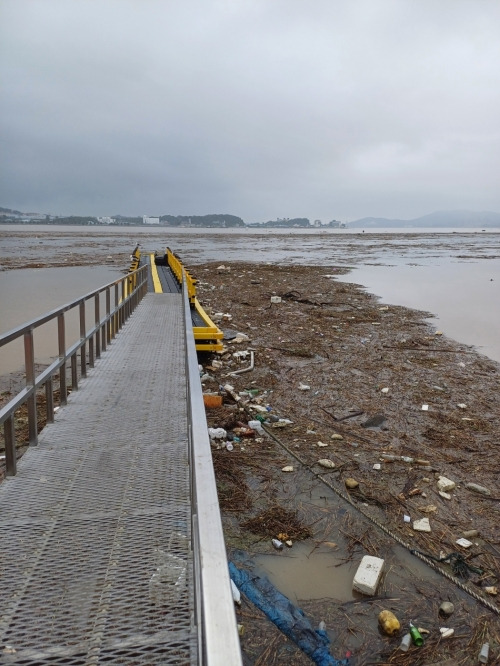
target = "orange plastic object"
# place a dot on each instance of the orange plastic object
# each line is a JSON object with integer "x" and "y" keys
{"x": 212, "y": 400}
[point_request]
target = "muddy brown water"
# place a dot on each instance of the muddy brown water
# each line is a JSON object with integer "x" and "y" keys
{"x": 465, "y": 297}
{"x": 29, "y": 293}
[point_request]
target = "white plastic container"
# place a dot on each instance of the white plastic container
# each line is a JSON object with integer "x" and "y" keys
{"x": 484, "y": 654}
{"x": 217, "y": 433}
{"x": 257, "y": 426}
{"x": 405, "y": 643}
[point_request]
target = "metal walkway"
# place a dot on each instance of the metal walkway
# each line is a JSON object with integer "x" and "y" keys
{"x": 96, "y": 561}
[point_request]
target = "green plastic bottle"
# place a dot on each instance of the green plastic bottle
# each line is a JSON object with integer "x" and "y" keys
{"x": 416, "y": 635}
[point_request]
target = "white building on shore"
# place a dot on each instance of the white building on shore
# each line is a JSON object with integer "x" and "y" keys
{"x": 150, "y": 220}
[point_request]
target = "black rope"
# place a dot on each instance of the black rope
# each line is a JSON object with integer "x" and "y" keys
{"x": 457, "y": 561}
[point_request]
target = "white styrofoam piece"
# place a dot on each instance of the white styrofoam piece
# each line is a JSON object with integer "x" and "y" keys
{"x": 422, "y": 525}
{"x": 368, "y": 575}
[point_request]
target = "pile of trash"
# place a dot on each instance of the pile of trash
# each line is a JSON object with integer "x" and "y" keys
{"x": 397, "y": 420}
{"x": 251, "y": 405}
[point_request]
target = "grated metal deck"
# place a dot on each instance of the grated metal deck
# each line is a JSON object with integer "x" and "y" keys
{"x": 95, "y": 549}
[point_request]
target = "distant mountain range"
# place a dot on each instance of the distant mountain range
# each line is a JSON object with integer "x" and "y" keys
{"x": 442, "y": 218}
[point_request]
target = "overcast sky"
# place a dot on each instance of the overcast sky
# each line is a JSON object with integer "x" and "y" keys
{"x": 329, "y": 109}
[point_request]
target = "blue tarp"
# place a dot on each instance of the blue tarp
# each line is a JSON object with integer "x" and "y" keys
{"x": 289, "y": 619}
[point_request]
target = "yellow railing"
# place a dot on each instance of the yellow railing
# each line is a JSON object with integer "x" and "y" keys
{"x": 135, "y": 260}
{"x": 178, "y": 269}
{"x": 207, "y": 337}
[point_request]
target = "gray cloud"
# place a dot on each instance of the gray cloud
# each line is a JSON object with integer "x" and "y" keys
{"x": 320, "y": 109}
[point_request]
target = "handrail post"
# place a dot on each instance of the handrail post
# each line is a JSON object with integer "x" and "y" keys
{"x": 124, "y": 301}
{"x": 108, "y": 317}
{"x": 91, "y": 351}
{"x": 83, "y": 348}
{"x": 49, "y": 400}
{"x": 97, "y": 321}
{"x": 29, "y": 359}
{"x": 61, "y": 335}
{"x": 74, "y": 372}
{"x": 10, "y": 446}
{"x": 120, "y": 307}
{"x": 116, "y": 315}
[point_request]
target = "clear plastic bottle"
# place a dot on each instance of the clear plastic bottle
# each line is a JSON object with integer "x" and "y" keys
{"x": 405, "y": 643}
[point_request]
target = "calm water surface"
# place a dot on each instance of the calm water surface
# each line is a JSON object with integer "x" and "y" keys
{"x": 463, "y": 296}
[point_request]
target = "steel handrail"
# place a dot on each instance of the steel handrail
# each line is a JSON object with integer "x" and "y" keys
{"x": 89, "y": 346}
{"x": 218, "y": 635}
{"x": 48, "y": 316}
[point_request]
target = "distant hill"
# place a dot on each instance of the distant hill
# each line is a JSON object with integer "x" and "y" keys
{"x": 442, "y": 218}
{"x": 212, "y": 220}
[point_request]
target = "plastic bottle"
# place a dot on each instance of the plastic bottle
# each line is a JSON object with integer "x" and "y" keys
{"x": 229, "y": 446}
{"x": 484, "y": 654}
{"x": 257, "y": 426}
{"x": 416, "y": 635}
{"x": 405, "y": 643}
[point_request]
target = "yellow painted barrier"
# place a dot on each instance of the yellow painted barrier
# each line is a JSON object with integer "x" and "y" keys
{"x": 135, "y": 260}
{"x": 207, "y": 337}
